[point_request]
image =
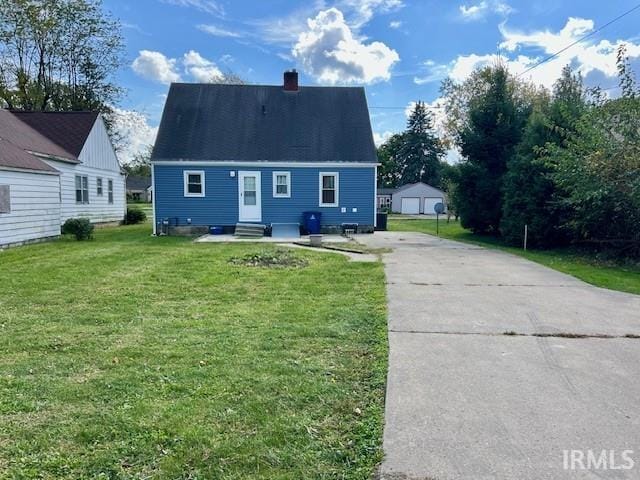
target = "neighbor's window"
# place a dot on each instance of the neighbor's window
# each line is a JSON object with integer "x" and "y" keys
{"x": 99, "y": 186}
{"x": 282, "y": 184}
{"x": 82, "y": 189}
{"x": 194, "y": 183}
{"x": 5, "y": 199}
{"x": 328, "y": 189}
{"x": 110, "y": 190}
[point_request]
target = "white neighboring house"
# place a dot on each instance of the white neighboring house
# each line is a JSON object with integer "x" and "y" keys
{"x": 92, "y": 184}
{"x": 54, "y": 166}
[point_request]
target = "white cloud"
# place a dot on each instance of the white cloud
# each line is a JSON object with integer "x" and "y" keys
{"x": 395, "y": 24}
{"x": 136, "y": 133}
{"x": 362, "y": 11}
{"x": 480, "y": 10}
{"x": 585, "y": 57}
{"x": 331, "y": 53}
{"x": 380, "y": 137}
{"x": 434, "y": 73}
{"x": 218, "y": 31}
{"x": 548, "y": 41}
{"x": 155, "y": 66}
{"x": 283, "y": 30}
{"x": 201, "y": 69}
{"x": 158, "y": 67}
{"x": 207, "y": 6}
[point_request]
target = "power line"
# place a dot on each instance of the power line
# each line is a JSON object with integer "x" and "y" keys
{"x": 405, "y": 107}
{"x": 551, "y": 57}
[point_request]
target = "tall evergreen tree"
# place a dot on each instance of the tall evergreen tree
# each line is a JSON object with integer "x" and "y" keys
{"x": 420, "y": 151}
{"x": 490, "y": 129}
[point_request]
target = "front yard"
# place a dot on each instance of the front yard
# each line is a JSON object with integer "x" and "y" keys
{"x": 586, "y": 267}
{"x": 138, "y": 357}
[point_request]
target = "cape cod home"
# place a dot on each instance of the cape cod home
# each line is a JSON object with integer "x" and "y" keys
{"x": 55, "y": 166}
{"x": 263, "y": 155}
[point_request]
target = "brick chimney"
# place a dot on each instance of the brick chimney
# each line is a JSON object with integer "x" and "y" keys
{"x": 291, "y": 80}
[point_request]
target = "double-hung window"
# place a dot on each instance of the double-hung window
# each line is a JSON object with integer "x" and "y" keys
{"x": 194, "y": 183}
{"x": 99, "y": 186}
{"x": 82, "y": 189}
{"x": 110, "y": 190}
{"x": 282, "y": 184}
{"x": 329, "y": 182}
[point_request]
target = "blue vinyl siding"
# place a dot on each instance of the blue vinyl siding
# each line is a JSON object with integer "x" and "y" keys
{"x": 219, "y": 206}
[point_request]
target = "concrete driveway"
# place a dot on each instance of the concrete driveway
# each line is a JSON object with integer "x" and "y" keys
{"x": 467, "y": 401}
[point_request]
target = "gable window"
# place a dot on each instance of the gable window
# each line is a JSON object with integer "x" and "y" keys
{"x": 99, "y": 186}
{"x": 282, "y": 184}
{"x": 194, "y": 183}
{"x": 110, "y": 190}
{"x": 82, "y": 189}
{"x": 329, "y": 189}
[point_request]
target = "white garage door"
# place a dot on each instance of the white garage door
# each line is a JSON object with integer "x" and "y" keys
{"x": 410, "y": 206}
{"x": 430, "y": 203}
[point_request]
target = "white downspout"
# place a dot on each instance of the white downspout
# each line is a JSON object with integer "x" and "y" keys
{"x": 153, "y": 196}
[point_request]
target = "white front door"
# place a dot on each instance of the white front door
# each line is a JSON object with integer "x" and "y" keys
{"x": 249, "y": 198}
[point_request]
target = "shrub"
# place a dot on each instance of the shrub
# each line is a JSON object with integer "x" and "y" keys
{"x": 134, "y": 216}
{"x": 81, "y": 228}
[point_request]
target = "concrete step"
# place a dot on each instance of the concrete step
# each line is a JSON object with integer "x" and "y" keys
{"x": 249, "y": 230}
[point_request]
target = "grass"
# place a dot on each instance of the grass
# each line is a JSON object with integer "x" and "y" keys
{"x": 585, "y": 266}
{"x": 144, "y": 206}
{"x": 138, "y": 357}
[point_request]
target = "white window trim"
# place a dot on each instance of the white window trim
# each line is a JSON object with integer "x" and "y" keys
{"x": 186, "y": 174}
{"x": 275, "y": 185}
{"x": 99, "y": 184}
{"x": 337, "y": 188}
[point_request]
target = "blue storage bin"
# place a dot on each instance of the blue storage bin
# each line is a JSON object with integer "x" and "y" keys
{"x": 215, "y": 230}
{"x": 311, "y": 222}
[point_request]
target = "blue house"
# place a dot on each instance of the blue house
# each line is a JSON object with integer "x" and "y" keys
{"x": 255, "y": 154}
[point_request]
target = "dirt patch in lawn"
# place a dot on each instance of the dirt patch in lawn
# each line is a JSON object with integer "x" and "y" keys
{"x": 279, "y": 258}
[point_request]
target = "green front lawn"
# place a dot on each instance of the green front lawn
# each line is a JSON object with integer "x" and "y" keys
{"x": 625, "y": 278}
{"x": 137, "y": 357}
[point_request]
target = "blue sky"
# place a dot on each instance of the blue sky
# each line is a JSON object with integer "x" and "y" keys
{"x": 399, "y": 50}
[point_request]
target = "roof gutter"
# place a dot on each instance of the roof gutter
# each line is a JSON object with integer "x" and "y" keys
{"x": 53, "y": 157}
{"x": 263, "y": 163}
{"x": 29, "y": 170}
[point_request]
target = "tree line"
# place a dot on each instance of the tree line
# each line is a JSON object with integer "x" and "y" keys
{"x": 563, "y": 162}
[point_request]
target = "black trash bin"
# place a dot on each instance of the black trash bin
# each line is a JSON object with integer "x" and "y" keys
{"x": 381, "y": 221}
{"x": 311, "y": 222}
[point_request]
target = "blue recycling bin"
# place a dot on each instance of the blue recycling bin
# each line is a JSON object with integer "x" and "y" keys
{"x": 311, "y": 222}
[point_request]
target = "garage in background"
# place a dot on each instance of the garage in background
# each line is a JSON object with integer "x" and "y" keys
{"x": 417, "y": 198}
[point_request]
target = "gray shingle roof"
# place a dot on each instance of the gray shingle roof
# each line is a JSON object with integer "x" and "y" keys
{"x": 12, "y": 156}
{"x": 22, "y": 135}
{"x": 69, "y": 130}
{"x": 265, "y": 123}
{"x": 386, "y": 191}
{"x": 138, "y": 183}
